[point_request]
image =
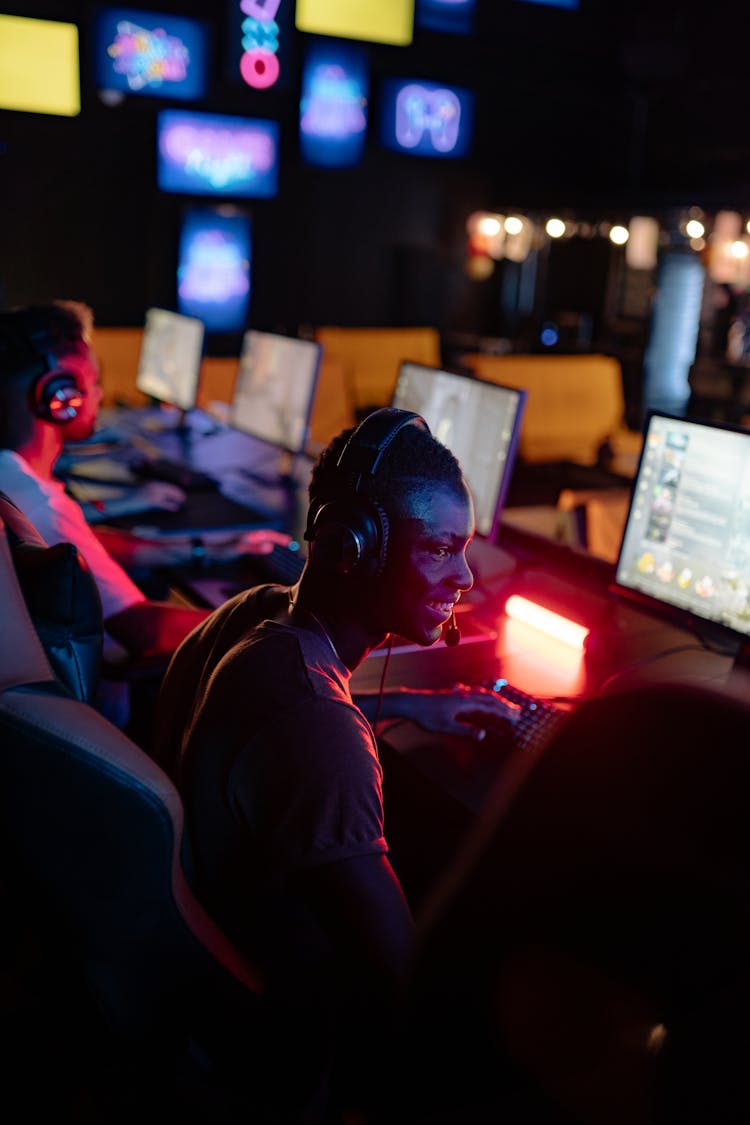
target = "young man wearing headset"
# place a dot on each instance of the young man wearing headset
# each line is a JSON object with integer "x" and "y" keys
{"x": 278, "y": 765}
{"x": 50, "y": 396}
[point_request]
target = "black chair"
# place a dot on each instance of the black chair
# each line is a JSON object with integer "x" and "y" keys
{"x": 123, "y": 998}
{"x": 586, "y": 961}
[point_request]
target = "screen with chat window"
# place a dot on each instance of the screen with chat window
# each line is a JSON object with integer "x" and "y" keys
{"x": 686, "y": 542}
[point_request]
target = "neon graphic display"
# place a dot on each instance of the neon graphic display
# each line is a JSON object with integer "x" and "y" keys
{"x": 261, "y": 26}
{"x": 333, "y": 106}
{"x": 426, "y": 118}
{"x": 214, "y": 268}
{"x": 149, "y": 53}
{"x": 450, "y": 16}
{"x": 374, "y": 21}
{"x": 39, "y": 70}
{"x": 212, "y": 154}
{"x": 571, "y": 4}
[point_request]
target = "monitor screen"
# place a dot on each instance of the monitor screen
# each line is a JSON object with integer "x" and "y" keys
{"x": 275, "y": 388}
{"x": 333, "y": 104}
{"x": 213, "y": 269}
{"x": 426, "y": 118}
{"x": 212, "y": 154}
{"x": 170, "y": 360}
{"x": 39, "y": 68}
{"x": 449, "y": 16}
{"x": 151, "y": 53}
{"x": 375, "y": 21}
{"x": 686, "y": 543}
{"x": 478, "y": 421}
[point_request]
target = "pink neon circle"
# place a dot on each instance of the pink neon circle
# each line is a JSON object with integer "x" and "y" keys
{"x": 259, "y": 68}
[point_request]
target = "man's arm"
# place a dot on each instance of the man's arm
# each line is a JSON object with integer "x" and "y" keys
{"x": 457, "y": 710}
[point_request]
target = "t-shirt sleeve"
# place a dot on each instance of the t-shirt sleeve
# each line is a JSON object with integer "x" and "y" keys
{"x": 311, "y": 786}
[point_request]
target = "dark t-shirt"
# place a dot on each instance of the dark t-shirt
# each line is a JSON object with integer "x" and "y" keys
{"x": 278, "y": 769}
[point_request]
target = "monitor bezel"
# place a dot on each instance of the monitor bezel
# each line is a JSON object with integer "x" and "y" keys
{"x": 709, "y": 630}
{"x": 493, "y": 534}
{"x": 197, "y": 380}
{"x": 302, "y": 446}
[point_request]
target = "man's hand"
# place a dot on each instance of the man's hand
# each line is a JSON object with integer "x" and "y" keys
{"x": 157, "y": 494}
{"x": 464, "y": 710}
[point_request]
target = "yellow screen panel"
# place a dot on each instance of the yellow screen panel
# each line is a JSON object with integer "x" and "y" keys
{"x": 39, "y": 69}
{"x": 374, "y": 21}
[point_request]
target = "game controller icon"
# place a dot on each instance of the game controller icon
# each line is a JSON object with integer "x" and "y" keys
{"x": 431, "y": 113}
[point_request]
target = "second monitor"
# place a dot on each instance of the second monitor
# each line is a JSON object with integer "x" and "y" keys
{"x": 478, "y": 421}
{"x": 170, "y": 361}
{"x": 275, "y": 389}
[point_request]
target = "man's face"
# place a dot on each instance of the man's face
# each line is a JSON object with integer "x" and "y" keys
{"x": 426, "y": 567}
{"x": 85, "y": 369}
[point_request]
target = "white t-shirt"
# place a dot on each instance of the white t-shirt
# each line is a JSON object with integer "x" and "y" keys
{"x": 59, "y": 519}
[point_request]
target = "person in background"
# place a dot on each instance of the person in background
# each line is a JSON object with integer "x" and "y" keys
{"x": 278, "y": 764}
{"x": 50, "y": 396}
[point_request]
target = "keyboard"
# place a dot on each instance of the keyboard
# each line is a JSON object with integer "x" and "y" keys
{"x": 173, "y": 472}
{"x": 538, "y": 720}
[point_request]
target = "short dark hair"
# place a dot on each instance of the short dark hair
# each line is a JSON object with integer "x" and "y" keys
{"x": 414, "y": 458}
{"x": 28, "y": 337}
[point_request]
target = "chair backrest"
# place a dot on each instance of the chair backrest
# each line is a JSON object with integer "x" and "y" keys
{"x": 92, "y": 833}
{"x": 589, "y": 956}
{"x": 371, "y": 358}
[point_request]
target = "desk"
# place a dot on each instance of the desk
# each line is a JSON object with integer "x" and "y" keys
{"x": 440, "y": 783}
{"x": 267, "y": 483}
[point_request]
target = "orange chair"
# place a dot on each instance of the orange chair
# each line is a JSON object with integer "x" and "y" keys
{"x": 371, "y": 358}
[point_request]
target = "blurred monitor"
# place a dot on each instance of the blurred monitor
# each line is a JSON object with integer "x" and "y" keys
{"x": 333, "y": 104}
{"x": 426, "y": 118}
{"x": 214, "y": 267}
{"x": 39, "y": 66}
{"x": 170, "y": 360}
{"x": 450, "y": 16}
{"x": 686, "y": 544}
{"x": 275, "y": 388}
{"x": 571, "y": 4}
{"x": 375, "y": 21}
{"x": 213, "y": 154}
{"x": 151, "y": 53}
{"x": 478, "y": 421}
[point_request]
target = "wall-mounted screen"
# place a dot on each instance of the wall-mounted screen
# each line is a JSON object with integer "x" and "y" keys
{"x": 426, "y": 118}
{"x": 214, "y": 267}
{"x": 451, "y": 16}
{"x": 259, "y": 38}
{"x": 333, "y": 105}
{"x": 39, "y": 66}
{"x": 686, "y": 543}
{"x": 374, "y": 21}
{"x": 151, "y": 53}
{"x": 275, "y": 388}
{"x": 572, "y": 4}
{"x": 212, "y": 154}
{"x": 478, "y": 421}
{"x": 170, "y": 361}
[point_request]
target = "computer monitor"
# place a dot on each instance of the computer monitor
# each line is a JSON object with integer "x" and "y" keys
{"x": 170, "y": 360}
{"x": 275, "y": 388}
{"x": 686, "y": 543}
{"x": 479, "y": 421}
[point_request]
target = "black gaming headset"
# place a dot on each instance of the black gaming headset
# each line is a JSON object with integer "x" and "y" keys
{"x": 55, "y": 393}
{"x": 350, "y": 533}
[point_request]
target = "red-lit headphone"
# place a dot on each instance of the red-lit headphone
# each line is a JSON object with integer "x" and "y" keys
{"x": 57, "y": 396}
{"x": 350, "y": 533}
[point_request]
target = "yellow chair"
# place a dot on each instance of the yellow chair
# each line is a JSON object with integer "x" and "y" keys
{"x": 371, "y": 358}
{"x": 118, "y": 351}
{"x": 575, "y": 404}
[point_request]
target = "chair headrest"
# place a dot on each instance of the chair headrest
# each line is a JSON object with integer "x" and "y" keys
{"x": 62, "y": 599}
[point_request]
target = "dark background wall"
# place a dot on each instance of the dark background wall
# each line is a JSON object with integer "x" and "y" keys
{"x": 615, "y": 109}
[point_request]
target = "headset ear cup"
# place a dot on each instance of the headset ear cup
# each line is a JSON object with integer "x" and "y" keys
{"x": 383, "y": 534}
{"x": 58, "y": 398}
{"x": 347, "y": 536}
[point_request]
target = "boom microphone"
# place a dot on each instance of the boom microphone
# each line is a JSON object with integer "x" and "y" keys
{"x": 452, "y": 633}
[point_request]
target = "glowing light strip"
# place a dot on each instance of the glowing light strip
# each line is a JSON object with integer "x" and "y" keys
{"x": 553, "y": 624}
